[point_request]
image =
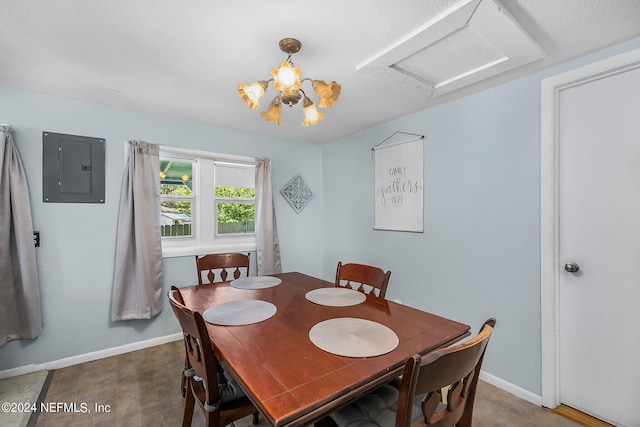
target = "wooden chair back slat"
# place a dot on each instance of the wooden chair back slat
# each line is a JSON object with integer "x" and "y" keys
{"x": 222, "y": 267}
{"x": 363, "y": 278}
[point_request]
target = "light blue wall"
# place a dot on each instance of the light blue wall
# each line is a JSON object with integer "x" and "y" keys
{"x": 76, "y": 257}
{"x": 479, "y": 255}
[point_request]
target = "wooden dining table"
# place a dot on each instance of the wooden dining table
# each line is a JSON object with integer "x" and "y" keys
{"x": 290, "y": 380}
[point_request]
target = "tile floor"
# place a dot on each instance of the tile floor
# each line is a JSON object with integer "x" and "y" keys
{"x": 141, "y": 388}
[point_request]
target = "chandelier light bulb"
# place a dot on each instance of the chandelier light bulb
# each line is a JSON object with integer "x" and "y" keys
{"x": 251, "y": 94}
{"x": 255, "y": 91}
{"x": 286, "y": 77}
{"x": 311, "y": 114}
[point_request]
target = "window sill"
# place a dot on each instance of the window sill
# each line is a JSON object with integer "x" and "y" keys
{"x": 182, "y": 249}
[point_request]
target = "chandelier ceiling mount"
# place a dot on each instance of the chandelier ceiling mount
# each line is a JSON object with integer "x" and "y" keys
{"x": 290, "y": 46}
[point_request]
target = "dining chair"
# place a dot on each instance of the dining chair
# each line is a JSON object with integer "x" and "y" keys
{"x": 208, "y": 383}
{"x": 437, "y": 389}
{"x": 363, "y": 278}
{"x": 218, "y": 266}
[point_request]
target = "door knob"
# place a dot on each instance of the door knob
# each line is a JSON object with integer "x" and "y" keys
{"x": 571, "y": 267}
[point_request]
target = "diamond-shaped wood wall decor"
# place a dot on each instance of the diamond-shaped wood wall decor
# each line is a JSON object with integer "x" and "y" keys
{"x": 297, "y": 193}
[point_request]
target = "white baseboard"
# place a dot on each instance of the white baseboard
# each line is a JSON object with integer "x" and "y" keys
{"x": 511, "y": 388}
{"x": 88, "y": 357}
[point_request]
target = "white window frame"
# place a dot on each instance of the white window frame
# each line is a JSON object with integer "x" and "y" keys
{"x": 204, "y": 239}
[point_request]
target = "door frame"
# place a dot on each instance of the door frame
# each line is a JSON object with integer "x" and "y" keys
{"x": 549, "y": 202}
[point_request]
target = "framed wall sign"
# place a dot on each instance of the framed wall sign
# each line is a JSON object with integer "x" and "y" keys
{"x": 399, "y": 186}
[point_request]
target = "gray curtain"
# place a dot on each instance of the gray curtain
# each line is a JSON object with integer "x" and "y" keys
{"x": 20, "y": 311}
{"x": 137, "y": 280}
{"x": 268, "y": 248}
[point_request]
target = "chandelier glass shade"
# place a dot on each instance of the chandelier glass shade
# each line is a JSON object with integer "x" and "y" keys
{"x": 287, "y": 81}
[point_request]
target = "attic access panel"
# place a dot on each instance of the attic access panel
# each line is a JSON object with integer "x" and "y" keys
{"x": 73, "y": 168}
{"x": 470, "y": 42}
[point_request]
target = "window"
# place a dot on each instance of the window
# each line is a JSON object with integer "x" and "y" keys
{"x": 176, "y": 197}
{"x": 207, "y": 202}
{"x": 235, "y": 199}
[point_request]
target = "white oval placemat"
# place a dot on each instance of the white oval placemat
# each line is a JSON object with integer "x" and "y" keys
{"x": 353, "y": 337}
{"x": 240, "y": 312}
{"x": 335, "y": 297}
{"x": 256, "y": 282}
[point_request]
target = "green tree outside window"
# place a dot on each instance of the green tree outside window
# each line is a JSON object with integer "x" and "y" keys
{"x": 233, "y": 211}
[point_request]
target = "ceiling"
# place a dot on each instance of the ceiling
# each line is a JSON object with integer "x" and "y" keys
{"x": 186, "y": 59}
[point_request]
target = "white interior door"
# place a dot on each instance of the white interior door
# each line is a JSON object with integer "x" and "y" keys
{"x": 598, "y": 151}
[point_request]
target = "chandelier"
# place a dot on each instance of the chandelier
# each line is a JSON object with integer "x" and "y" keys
{"x": 286, "y": 80}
